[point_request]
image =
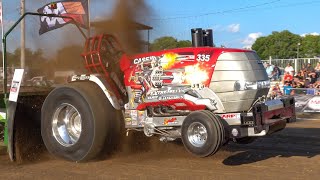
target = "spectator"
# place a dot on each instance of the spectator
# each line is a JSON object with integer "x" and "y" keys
{"x": 306, "y": 83}
{"x": 292, "y": 93}
{"x": 303, "y": 68}
{"x": 269, "y": 70}
{"x": 300, "y": 83}
{"x": 287, "y": 78}
{"x": 299, "y": 75}
{"x": 313, "y": 77}
{"x": 317, "y": 69}
{"x": 303, "y": 71}
{"x": 294, "y": 84}
{"x": 289, "y": 69}
{"x": 316, "y": 85}
{"x": 309, "y": 68}
{"x": 276, "y": 91}
{"x": 265, "y": 65}
{"x": 287, "y": 88}
{"x": 311, "y": 90}
{"x": 276, "y": 73}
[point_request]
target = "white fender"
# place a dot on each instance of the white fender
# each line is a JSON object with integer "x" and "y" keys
{"x": 104, "y": 86}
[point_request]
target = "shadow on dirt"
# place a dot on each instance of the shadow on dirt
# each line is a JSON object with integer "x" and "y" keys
{"x": 290, "y": 142}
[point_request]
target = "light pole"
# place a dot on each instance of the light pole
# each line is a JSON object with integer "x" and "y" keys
{"x": 23, "y": 37}
{"x": 298, "y": 50}
{"x": 296, "y": 61}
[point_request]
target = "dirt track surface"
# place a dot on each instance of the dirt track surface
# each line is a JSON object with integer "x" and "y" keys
{"x": 293, "y": 153}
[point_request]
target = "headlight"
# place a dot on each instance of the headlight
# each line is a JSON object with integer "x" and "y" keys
{"x": 248, "y": 85}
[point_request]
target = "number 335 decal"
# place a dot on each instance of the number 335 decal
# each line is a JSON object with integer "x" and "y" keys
{"x": 203, "y": 57}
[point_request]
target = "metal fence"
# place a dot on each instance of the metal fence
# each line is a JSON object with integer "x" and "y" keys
{"x": 296, "y": 63}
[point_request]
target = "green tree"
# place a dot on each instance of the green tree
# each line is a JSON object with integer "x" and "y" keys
{"x": 162, "y": 43}
{"x": 169, "y": 42}
{"x": 9, "y": 56}
{"x": 278, "y": 45}
{"x": 184, "y": 43}
{"x": 35, "y": 62}
{"x": 33, "y": 59}
{"x": 310, "y": 46}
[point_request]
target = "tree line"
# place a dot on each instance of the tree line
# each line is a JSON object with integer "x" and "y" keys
{"x": 280, "y": 45}
{"x": 284, "y": 45}
{"x": 38, "y": 63}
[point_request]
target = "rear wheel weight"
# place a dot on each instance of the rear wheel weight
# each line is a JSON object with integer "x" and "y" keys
{"x": 201, "y": 133}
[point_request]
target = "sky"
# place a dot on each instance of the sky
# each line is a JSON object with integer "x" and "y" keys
{"x": 235, "y": 23}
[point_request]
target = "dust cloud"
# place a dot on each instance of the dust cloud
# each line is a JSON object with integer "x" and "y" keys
{"x": 122, "y": 23}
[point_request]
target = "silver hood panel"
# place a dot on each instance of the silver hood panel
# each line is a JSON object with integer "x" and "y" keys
{"x": 245, "y": 65}
{"x": 248, "y": 75}
{"x": 232, "y": 67}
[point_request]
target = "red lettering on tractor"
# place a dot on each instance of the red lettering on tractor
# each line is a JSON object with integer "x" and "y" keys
{"x": 228, "y": 116}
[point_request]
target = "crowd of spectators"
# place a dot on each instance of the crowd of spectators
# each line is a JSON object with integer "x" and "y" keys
{"x": 307, "y": 77}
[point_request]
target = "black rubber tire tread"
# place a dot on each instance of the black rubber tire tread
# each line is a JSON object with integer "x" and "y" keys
{"x": 112, "y": 120}
{"x": 214, "y": 130}
{"x": 219, "y": 123}
{"x": 245, "y": 140}
{"x": 96, "y": 113}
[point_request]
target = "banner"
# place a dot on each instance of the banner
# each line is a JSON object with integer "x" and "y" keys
{"x": 307, "y": 103}
{"x": 77, "y": 9}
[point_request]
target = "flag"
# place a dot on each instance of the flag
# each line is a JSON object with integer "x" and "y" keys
{"x": 77, "y": 9}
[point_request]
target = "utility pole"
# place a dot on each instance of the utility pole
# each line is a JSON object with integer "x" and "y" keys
{"x": 89, "y": 25}
{"x": 23, "y": 38}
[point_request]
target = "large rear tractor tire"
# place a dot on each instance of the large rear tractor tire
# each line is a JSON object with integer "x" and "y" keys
{"x": 202, "y": 133}
{"x": 76, "y": 121}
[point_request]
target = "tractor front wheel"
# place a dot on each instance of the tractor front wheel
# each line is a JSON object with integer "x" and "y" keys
{"x": 202, "y": 133}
